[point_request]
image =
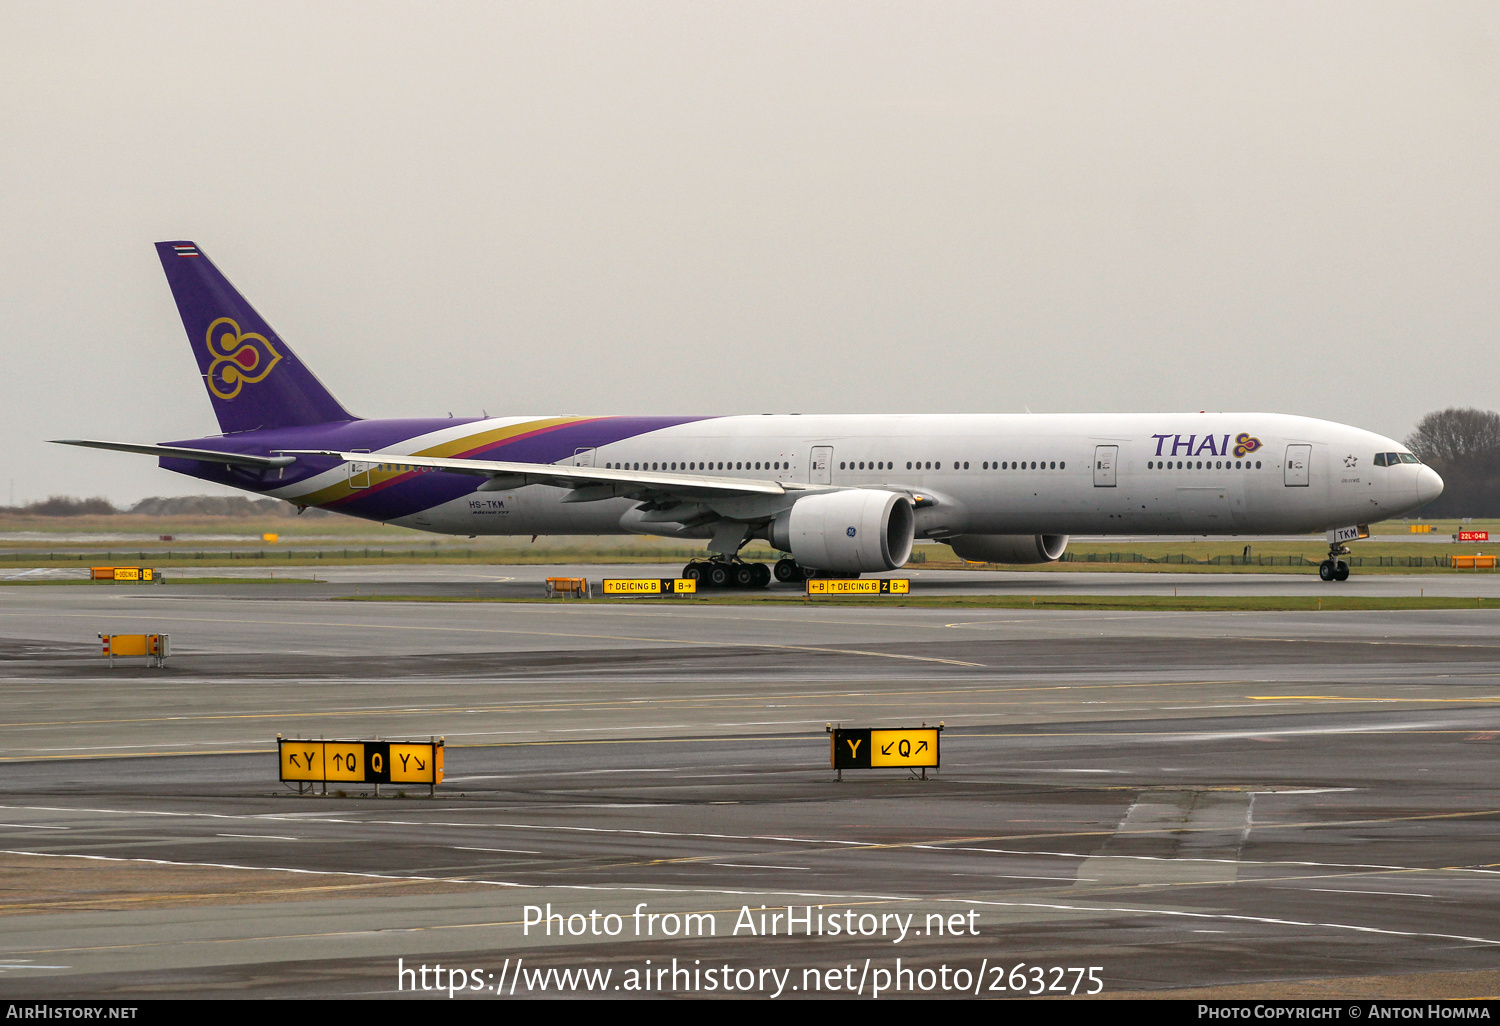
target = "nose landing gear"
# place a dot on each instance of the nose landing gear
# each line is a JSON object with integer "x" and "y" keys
{"x": 1333, "y": 568}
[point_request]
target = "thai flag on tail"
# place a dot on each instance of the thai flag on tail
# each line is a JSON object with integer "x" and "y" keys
{"x": 186, "y": 249}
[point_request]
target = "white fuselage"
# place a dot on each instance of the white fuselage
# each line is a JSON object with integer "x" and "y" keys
{"x": 1219, "y": 473}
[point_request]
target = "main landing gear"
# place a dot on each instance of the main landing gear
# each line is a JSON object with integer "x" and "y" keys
{"x": 789, "y": 571}
{"x": 1333, "y": 568}
{"x": 727, "y": 573}
{"x": 736, "y": 573}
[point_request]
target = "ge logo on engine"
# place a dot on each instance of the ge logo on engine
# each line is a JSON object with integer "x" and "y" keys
{"x": 850, "y": 532}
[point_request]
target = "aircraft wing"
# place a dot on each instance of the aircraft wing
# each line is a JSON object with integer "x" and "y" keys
{"x": 178, "y": 452}
{"x": 588, "y": 483}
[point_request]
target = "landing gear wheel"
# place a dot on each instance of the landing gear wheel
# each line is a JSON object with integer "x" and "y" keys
{"x": 762, "y": 575}
{"x": 1340, "y": 571}
{"x": 1326, "y": 570}
{"x": 693, "y": 571}
{"x": 788, "y": 572}
{"x": 743, "y": 575}
{"x": 717, "y": 575}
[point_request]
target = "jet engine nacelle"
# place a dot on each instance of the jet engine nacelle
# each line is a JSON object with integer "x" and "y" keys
{"x": 854, "y": 532}
{"x": 1009, "y": 548}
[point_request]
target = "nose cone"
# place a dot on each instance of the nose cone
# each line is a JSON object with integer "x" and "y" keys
{"x": 1429, "y": 485}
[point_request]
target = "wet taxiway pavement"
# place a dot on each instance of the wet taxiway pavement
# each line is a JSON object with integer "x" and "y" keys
{"x": 1246, "y": 802}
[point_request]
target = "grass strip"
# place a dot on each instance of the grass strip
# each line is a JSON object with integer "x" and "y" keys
{"x": 1144, "y": 603}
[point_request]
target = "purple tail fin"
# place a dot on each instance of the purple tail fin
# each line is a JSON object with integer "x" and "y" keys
{"x": 254, "y": 379}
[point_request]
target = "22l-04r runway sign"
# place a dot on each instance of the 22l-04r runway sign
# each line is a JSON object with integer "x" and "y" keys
{"x": 912, "y": 748}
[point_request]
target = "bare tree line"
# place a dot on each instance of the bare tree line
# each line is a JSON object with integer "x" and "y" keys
{"x": 1463, "y": 445}
{"x": 161, "y": 506}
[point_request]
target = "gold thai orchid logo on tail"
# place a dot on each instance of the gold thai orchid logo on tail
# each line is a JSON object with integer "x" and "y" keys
{"x": 238, "y": 358}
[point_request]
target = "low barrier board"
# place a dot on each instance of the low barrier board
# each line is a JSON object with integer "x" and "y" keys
{"x": 881, "y": 586}
{"x": 1478, "y": 561}
{"x": 911, "y": 748}
{"x": 155, "y": 647}
{"x": 361, "y": 762}
{"x": 650, "y": 586}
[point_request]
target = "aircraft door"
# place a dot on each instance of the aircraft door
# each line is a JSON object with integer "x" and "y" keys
{"x": 359, "y": 473}
{"x": 820, "y": 467}
{"x": 1298, "y": 465}
{"x": 583, "y": 457}
{"x": 1105, "y": 457}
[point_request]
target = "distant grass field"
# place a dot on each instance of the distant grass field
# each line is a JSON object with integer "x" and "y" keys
{"x": 204, "y": 541}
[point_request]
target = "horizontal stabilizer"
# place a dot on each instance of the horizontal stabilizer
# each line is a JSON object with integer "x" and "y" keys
{"x": 178, "y": 452}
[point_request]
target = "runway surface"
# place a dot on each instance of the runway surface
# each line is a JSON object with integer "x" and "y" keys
{"x": 1251, "y": 803}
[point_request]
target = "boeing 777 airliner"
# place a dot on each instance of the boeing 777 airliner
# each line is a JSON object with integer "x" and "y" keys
{"x": 840, "y": 494}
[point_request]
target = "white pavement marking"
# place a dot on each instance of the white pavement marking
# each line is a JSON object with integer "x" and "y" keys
{"x": 1137, "y": 910}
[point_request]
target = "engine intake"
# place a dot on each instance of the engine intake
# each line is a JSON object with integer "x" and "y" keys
{"x": 855, "y": 531}
{"x": 1015, "y": 549}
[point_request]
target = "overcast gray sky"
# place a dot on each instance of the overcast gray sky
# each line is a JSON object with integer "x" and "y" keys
{"x": 726, "y": 207}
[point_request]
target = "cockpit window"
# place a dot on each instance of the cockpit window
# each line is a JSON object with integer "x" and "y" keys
{"x": 1407, "y": 457}
{"x": 1380, "y": 459}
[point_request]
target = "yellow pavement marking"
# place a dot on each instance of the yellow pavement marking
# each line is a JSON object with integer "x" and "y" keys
{"x": 538, "y": 705}
{"x": 1357, "y": 698}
